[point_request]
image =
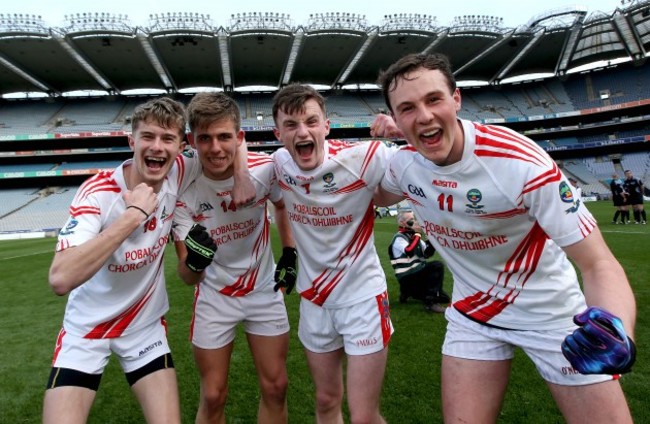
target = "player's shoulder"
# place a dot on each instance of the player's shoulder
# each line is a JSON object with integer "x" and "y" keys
{"x": 403, "y": 156}
{"x": 101, "y": 184}
{"x": 498, "y": 143}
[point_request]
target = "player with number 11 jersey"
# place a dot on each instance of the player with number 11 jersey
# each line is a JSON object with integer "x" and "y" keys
{"x": 536, "y": 288}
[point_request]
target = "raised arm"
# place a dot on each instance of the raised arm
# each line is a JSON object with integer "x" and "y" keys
{"x": 384, "y": 127}
{"x": 243, "y": 191}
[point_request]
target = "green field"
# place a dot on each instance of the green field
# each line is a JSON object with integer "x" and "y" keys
{"x": 32, "y": 316}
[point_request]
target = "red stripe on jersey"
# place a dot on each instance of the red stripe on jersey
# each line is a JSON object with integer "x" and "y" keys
{"x": 367, "y": 160}
{"x": 524, "y": 260}
{"x": 323, "y": 285}
{"x": 522, "y": 264}
{"x": 257, "y": 159}
{"x": 244, "y": 284}
{"x": 102, "y": 181}
{"x": 335, "y": 146}
{"x": 587, "y": 225}
{"x": 62, "y": 245}
{"x": 84, "y": 210}
{"x": 180, "y": 163}
{"x": 319, "y": 296}
{"x": 504, "y": 214}
{"x": 357, "y": 185}
{"x": 550, "y": 176}
{"x": 408, "y": 197}
{"x": 497, "y": 142}
{"x": 263, "y": 240}
{"x": 116, "y": 326}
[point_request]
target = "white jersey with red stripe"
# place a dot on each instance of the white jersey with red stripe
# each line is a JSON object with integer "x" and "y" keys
{"x": 498, "y": 218}
{"x": 332, "y": 217}
{"x": 128, "y": 292}
{"x": 244, "y": 260}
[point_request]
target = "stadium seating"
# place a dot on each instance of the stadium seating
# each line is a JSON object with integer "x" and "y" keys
{"x": 44, "y": 212}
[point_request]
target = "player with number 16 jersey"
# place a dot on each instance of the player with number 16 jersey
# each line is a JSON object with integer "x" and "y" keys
{"x": 128, "y": 292}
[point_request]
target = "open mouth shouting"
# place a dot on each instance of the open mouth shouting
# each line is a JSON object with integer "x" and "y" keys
{"x": 154, "y": 164}
{"x": 431, "y": 137}
{"x": 304, "y": 149}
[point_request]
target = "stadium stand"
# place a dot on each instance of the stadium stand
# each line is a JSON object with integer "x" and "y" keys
{"x": 46, "y": 210}
{"x": 594, "y": 122}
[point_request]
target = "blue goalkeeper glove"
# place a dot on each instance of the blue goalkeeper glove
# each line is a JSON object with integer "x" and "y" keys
{"x": 200, "y": 248}
{"x": 285, "y": 271}
{"x": 600, "y": 345}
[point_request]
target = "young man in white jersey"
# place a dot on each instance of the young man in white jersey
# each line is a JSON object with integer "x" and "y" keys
{"x": 505, "y": 220}
{"x": 109, "y": 260}
{"x": 237, "y": 286}
{"x": 328, "y": 187}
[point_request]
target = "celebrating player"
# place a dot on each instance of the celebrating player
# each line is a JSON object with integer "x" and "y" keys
{"x": 236, "y": 284}
{"x": 109, "y": 259}
{"x": 504, "y": 219}
{"x": 328, "y": 187}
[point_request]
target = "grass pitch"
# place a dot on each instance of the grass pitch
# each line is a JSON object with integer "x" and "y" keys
{"x": 32, "y": 316}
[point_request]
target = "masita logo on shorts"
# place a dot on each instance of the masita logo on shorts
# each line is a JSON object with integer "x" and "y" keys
{"x": 151, "y": 347}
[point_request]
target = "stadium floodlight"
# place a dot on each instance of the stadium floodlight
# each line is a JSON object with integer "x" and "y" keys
{"x": 96, "y": 22}
{"x": 483, "y": 23}
{"x": 409, "y": 21}
{"x": 22, "y": 23}
{"x": 336, "y": 20}
{"x": 181, "y": 21}
{"x": 261, "y": 21}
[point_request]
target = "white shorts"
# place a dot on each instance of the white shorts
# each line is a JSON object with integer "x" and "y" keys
{"x": 470, "y": 340}
{"x": 133, "y": 350}
{"x": 216, "y": 316}
{"x": 362, "y": 329}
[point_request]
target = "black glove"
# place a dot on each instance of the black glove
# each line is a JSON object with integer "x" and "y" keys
{"x": 200, "y": 248}
{"x": 285, "y": 271}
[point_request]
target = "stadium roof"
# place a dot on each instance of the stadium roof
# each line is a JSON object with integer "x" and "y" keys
{"x": 180, "y": 51}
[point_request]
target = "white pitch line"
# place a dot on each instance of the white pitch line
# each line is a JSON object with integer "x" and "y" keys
{"x": 24, "y": 256}
{"x": 623, "y": 232}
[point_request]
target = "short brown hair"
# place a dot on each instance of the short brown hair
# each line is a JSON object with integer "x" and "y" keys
{"x": 209, "y": 107}
{"x": 166, "y": 112}
{"x": 388, "y": 79}
{"x": 293, "y": 97}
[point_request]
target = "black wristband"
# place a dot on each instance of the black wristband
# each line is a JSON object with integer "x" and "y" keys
{"x": 288, "y": 250}
{"x": 140, "y": 209}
